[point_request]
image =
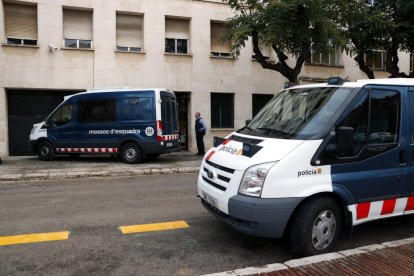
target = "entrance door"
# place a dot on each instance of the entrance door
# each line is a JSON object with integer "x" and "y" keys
{"x": 376, "y": 171}
{"x": 25, "y": 108}
{"x": 183, "y": 99}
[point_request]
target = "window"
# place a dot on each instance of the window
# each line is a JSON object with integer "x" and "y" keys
{"x": 330, "y": 57}
{"x": 20, "y": 24}
{"x": 77, "y": 29}
{"x": 375, "y": 119}
{"x": 222, "y": 110}
{"x": 129, "y": 32}
{"x": 91, "y": 111}
{"x": 177, "y": 36}
{"x": 219, "y": 48}
{"x": 135, "y": 108}
{"x": 376, "y": 59}
{"x": 62, "y": 116}
{"x": 259, "y": 101}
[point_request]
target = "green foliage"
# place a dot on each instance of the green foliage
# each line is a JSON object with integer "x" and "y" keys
{"x": 388, "y": 25}
{"x": 291, "y": 27}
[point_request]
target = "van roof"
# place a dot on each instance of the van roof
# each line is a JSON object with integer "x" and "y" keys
{"x": 117, "y": 89}
{"x": 361, "y": 83}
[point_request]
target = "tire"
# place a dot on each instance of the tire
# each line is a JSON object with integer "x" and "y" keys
{"x": 152, "y": 157}
{"x": 45, "y": 151}
{"x": 316, "y": 227}
{"x": 131, "y": 153}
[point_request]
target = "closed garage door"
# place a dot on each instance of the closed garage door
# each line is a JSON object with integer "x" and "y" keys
{"x": 25, "y": 108}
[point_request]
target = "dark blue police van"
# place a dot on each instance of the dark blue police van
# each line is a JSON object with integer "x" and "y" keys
{"x": 131, "y": 123}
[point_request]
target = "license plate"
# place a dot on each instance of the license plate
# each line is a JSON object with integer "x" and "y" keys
{"x": 211, "y": 200}
{"x": 170, "y": 145}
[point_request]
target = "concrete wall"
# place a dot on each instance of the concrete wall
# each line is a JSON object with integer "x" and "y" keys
{"x": 198, "y": 73}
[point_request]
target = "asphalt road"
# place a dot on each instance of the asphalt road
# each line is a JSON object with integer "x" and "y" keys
{"x": 93, "y": 210}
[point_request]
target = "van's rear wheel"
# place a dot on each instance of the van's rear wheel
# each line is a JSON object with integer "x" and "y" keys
{"x": 131, "y": 153}
{"x": 316, "y": 227}
{"x": 45, "y": 151}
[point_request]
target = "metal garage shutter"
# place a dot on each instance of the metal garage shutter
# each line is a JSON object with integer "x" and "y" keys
{"x": 26, "y": 108}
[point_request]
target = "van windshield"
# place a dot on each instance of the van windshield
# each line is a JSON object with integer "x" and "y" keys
{"x": 298, "y": 113}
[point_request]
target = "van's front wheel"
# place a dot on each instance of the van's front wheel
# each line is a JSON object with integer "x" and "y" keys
{"x": 316, "y": 227}
{"x": 45, "y": 151}
{"x": 131, "y": 153}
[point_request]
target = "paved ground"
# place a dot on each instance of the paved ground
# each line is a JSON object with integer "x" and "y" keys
{"x": 383, "y": 259}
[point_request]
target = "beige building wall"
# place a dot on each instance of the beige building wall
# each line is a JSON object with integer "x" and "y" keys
{"x": 197, "y": 73}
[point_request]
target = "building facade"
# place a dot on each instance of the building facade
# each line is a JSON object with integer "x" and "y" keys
{"x": 52, "y": 48}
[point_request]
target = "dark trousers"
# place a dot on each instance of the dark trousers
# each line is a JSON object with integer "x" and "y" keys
{"x": 200, "y": 143}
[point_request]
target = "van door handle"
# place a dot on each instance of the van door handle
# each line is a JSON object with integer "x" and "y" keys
{"x": 403, "y": 157}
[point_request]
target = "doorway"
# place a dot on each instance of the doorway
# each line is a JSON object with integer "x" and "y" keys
{"x": 183, "y": 99}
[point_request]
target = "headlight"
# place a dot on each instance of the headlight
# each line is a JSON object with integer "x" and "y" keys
{"x": 253, "y": 179}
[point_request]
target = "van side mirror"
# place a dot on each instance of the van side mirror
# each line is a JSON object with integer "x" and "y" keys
{"x": 344, "y": 140}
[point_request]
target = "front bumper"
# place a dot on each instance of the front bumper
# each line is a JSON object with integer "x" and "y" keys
{"x": 257, "y": 216}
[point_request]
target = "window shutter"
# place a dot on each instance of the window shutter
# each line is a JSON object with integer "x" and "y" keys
{"x": 177, "y": 28}
{"x": 77, "y": 24}
{"x": 129, "y": 30}
{"x": 218, "y": 30}
{"x": 20, "y": 21}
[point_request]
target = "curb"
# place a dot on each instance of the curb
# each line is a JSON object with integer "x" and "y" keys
{"x": 62, "y": 175}
{"x": 313, "y": 259}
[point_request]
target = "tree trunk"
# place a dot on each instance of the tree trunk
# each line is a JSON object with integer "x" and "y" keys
{"x": 280, "y": 66}
{"x": 359, "y": 58}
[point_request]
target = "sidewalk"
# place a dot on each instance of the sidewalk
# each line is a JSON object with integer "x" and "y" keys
{"x": 29, "y": 168}
{"x": 389, "y": 258}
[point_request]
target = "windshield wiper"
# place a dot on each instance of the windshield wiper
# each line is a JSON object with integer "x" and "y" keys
{"x": 276, "y": 131}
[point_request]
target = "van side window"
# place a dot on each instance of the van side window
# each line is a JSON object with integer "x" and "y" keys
{"x": 91, "y": 111}
{"x": 62, "y": 116}
{"x": 375, "y": 119}
{"x": 136, "y": 108}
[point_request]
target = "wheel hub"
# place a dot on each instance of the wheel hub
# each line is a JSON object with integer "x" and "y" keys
{"x": 323, "y": 230}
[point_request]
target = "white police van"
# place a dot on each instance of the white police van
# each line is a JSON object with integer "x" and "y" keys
{"x": 316, "y": 161}
{"x": 132, "y": 123}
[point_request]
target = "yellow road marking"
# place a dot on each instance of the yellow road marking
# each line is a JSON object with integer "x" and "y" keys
{"x": 30, "y": 238}
{"x": 153, "y": 227}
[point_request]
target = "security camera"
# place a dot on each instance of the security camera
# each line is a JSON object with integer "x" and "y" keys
{"x": 52, "y": 48}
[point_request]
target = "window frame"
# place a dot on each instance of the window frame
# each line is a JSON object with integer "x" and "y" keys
{"x": 219, "y": 54}
{"x": 178, "y": 34}
{"x": 332, "y": 54}
{"x": 176, "y": 46}
{"x": 21, "y": 40}
{"x": 383, "y": 59}
{"x": 130, "y": 48}
{"x": 66, "y": 20}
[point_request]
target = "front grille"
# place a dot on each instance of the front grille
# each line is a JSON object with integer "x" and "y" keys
{"x": 214, "y": 184}
{"x": 221, "y": 177}
{"x": 220, "y": 167}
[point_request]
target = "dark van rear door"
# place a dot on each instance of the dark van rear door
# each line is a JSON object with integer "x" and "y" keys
{"x": 169, "y": 113}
